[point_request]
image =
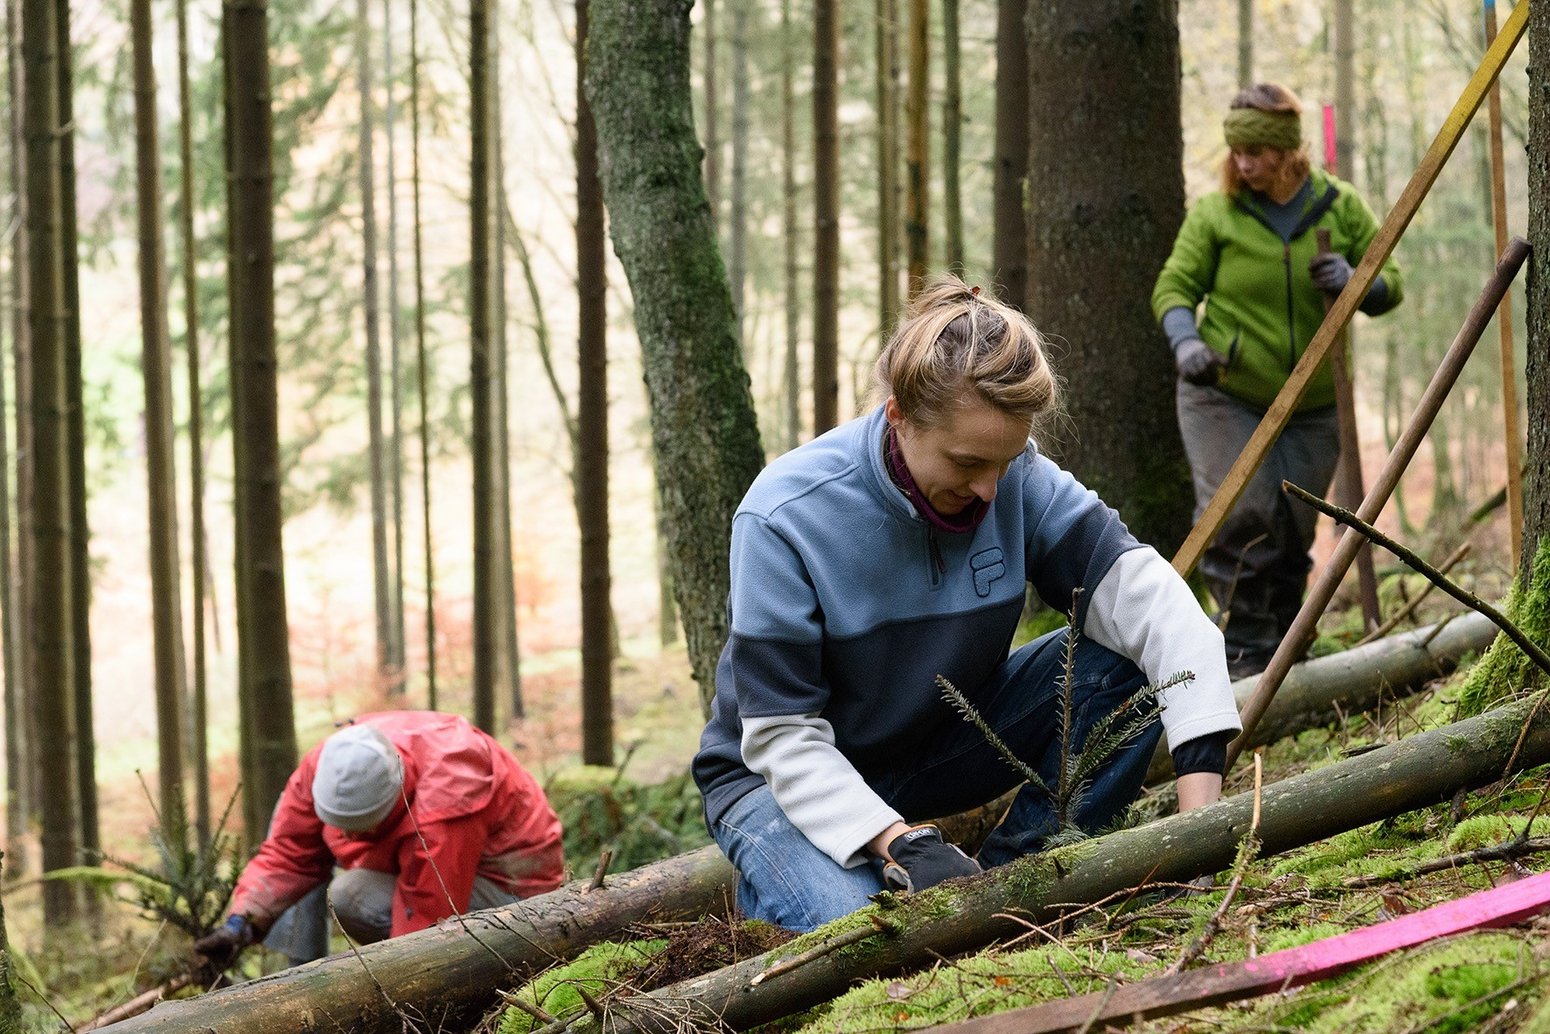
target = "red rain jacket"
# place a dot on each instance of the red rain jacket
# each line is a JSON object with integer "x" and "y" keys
{"x": 473, "y": 811}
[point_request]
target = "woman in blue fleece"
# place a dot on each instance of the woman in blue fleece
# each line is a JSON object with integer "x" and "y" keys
{"x": 894, "y": 549}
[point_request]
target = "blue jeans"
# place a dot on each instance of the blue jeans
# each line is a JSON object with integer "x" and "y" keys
{"x": 785, "y": 880}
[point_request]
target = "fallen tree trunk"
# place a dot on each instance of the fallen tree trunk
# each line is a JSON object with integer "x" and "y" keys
{"x": 968, "y": 915}
{"x": 446, "y": 977}
{"x": 1320, "y": 691}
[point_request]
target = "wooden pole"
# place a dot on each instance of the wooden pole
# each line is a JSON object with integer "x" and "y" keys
{"x": 1340, "y": 313}
{"x": 1399, "y": 458}
{"x": 1511, "y": 432}
{"x": 1348, "y": 485}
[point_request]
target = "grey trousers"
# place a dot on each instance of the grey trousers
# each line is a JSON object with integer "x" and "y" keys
{"x": 1257, "y": 567}
{"x": 363, "y": 901}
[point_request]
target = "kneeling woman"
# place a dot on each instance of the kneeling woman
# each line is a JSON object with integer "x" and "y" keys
{"x": 897, "y": 548}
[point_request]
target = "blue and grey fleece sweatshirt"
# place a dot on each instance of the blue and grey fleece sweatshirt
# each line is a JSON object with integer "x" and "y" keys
{"x": 846, "y": 604}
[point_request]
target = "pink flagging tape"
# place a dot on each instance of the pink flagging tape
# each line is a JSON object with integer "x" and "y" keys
{"x": 1212, "y": 985}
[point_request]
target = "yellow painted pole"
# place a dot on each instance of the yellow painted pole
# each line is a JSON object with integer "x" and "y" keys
{"x": 1344, "y": 307}
{"x": 1511, "y": 431}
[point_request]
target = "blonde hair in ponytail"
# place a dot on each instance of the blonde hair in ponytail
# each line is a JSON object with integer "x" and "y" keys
{"x": 954, "y": 343}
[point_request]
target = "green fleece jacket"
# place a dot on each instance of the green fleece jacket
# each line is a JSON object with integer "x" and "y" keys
{"x": 1261, "y": 306}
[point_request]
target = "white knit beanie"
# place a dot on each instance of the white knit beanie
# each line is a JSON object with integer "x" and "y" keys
{"x": 359, "y": 778}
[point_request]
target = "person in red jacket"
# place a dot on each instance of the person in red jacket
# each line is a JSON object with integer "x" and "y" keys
{"x": 425, "y": 815}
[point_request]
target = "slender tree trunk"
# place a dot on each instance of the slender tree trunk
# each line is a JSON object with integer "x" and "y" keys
{"x": 1536, "y": 481}
{"x": 53, "y": 655}
{"x": 381, "y": 576}
{"x": 1104, "y": 73}
{"x": 199, "y": 726}
{"x": 484, "y": 630}
{"x": 667, "y": 606}
{"x": 597, "y": 732}
{"x": 10, "y": 1006}
{"x": 161, "y": 485}
{"x": 1245, "y": 44}
{"x": 826, "y": 215}
{"x": 887, "y": 47}
{"x": 422, "y": 358}
{"x": 1010, "y": 243}
{"x": 264, "y": 673}
{"x": 917, "y": 147}
{"x": 712, "y": 114}
{"x": 704, "y": 431}
{"x": 952, "y": 135}
{"x": 19, "y": 768}
{"x": 1345, "y": 90}
{"x": 737, "y": 235}
{"x": 395, "y": 358}
{"x": 75, "y": 431}
{"x": 788, "y": 183}
{"x": 508, "y": 656}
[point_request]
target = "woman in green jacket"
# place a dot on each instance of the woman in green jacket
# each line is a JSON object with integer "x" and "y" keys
{"x": 1250, "y": 254}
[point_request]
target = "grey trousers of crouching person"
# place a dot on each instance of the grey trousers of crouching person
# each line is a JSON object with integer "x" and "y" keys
{"x": 362, "y": 899}
{"x": 1257, "y": 566}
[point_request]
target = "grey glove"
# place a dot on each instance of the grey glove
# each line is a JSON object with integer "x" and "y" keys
{"x": 920, "y": 858}
{"x": 1197, "y": 363}
{"x": 1330, "y": 271}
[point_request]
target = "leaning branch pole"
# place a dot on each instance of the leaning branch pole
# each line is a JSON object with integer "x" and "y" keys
{"x": 1344, "y": 307}
{"x": 1303, "y": 626}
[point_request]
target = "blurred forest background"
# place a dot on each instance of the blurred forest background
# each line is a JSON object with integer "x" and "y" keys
{"x": 386, "y": 441}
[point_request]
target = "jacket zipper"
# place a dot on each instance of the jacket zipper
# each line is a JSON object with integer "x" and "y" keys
{"x": 1323, "y": 203}
{"x": 1291, "y": 319}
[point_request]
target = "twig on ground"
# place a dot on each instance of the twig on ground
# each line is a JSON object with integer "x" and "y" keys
{"x": 594, "y": 1006}
{"x": 602, "y": 869}
{"x": 518, "y": 1002}
{"x": 1517, "y": 847}
{"x": 826, "y": 948}
{"x": 1103, "y": 1002}
{"x": 1246, "y": 854}
{"x": 1436, "y": 577}
{"x": 1409, "y": 608}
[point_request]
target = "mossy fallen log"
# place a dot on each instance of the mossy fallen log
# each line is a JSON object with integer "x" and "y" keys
{"x": 970, "y": 914}
{"x": 446, "y": 977}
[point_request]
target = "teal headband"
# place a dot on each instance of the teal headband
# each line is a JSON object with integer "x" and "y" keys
{"x": 1251, "y": 127}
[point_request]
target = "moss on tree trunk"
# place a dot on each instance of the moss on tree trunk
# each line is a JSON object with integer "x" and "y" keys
{"x": 704, "y": 434}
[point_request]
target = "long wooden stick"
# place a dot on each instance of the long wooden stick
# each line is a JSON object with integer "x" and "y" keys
{"x": 1323, "y": 590}
{"x": 1294, "y": 967}
{"x": 1340, "y": 313}
{"x": 1504, "y": 314}
{"x": 1350, "y": 476}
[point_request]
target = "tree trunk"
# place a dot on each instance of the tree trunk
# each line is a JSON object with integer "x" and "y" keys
{"x": 1104, "y": 74}
{"x": 971, "y": 914}
{"x": 75, "y": 430}
{"x": 199, "y": 716}
{"x": 1245, "y": 44}
{"x": 400, "y": 683}
{"x": 449, "y": 975}
{"x": 161, "y": 487}
{"x": 887, "y": 18}
{"x": 53, "y": 653}
{"x": 381, "y": 576}
{"x": 712, "y": 114}
{"x": 1536, "y": 481}
{"x": 1345, "y": 90}
{"x": 591, "y": 457}
{"x": 484, "y": 629}
{"x": 422, "y": 368}
{"x": 704, "y": 431}
{"x": 952, "y": 134}
{"x": 826, "y": 215}
{"x": 264, "y": 660}
{"x": 917, "y": 148}
{"x": 1009, "y": 264}
{"x": 737, "y": 231}
{"x": 788, "y": 181}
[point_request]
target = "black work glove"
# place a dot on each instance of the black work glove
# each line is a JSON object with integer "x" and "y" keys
{"x": 1330, "y": 271}
{"x": 221, "y": 948}
{"x": 1197, "y": 363}
{"x": 920, "y": 858}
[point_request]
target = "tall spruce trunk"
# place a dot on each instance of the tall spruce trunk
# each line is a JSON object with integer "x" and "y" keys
{"x": 422, "y": 369}
{"x": 1245, "y": 44}
{"x": 508, "y": 663}
{"x": 198, "y": 710}
{"x": 737, "y": 216}
{"x": 1103, "y": 75}
{"x": 53, "y": 654}
{"x": 161, "y": 486}
{"x": 1009, "y": 244}
{"x": 381, "y": 576}
{"x": 479, "y": 380}
{"x": 1536, "y": 481}
{"x": 395, "y": 357}
{"x": 597, "y": 730}
{"x": 704, "y": 431}
{"x": 264, "y": 658}
{"x": 952, "y": 136}
{"x": 887, "y": 91}
{"x": 826, "y": 215}
{"x": 917, "y": 148}
{"x": 788, "y": 193}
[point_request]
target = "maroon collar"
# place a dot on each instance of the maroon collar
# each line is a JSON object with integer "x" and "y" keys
{"x": 966, "y": 520}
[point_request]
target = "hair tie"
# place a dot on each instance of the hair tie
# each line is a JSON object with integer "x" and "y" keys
{"x": 974, "y": 291}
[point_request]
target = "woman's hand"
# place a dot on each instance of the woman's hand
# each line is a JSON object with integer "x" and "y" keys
{"x": 1197, "y": 363}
